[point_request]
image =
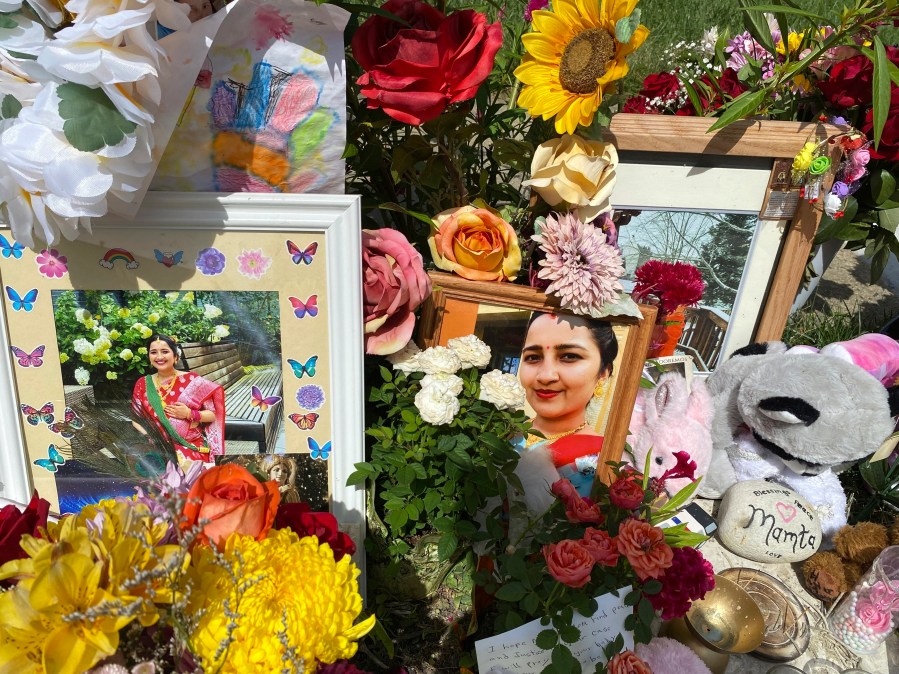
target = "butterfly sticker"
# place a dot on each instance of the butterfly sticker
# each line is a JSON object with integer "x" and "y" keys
{"x": 299, "y": 369}
{"x": 54, "y": 459}
{"x": 301, "y": 308}
{"x": 320, "y": 453}
{"x": 305, "y": 255}
{"x": 33, "y": 359}
{"x": 305, "y": 422}
{"x": 35, "y": 417}
{"x": 18, "y": 302}
{"x": 168, "y": 259}
{"x": 11, "y": 249}
{"x": 69, "y": 425}
{"x": 262, "y": 403}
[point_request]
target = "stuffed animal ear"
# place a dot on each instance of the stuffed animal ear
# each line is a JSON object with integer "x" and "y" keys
{"x": 699, "y": 405}
{"x": 789, "y": 410}
{"x": 760, "y": 349}
{"x": 670, "y": 396}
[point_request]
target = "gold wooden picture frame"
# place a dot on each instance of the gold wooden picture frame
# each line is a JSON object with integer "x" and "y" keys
{"x": 459, "y": 307}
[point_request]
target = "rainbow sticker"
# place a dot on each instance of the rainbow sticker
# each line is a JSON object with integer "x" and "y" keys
{"x": 114, "y": 255}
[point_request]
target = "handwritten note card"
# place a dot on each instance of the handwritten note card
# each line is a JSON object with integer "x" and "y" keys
{"x": 516, "y": 651}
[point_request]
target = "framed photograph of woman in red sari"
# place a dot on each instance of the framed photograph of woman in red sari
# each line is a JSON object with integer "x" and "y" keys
{"x": 210, "y": 324}
{"x": 503, "y": 315}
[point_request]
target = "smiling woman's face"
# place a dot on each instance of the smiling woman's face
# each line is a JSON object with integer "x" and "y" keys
{"x": 560, "y": 366}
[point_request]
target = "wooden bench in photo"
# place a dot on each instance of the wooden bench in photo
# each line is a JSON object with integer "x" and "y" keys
{"x": 221, "y": 364}
{"x": 702, "y": 337}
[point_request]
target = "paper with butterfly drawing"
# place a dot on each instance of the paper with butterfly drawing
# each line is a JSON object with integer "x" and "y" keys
{"x": 56, "y": 428}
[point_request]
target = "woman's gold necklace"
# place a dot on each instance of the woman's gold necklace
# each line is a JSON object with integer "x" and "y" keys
{"x": 534, "y": 439}
{"x": 165, "y": 388}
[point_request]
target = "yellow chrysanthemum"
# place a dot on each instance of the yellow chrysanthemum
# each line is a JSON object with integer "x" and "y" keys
{"x": 572, "y": 59}
{"x": 293, "y": 603}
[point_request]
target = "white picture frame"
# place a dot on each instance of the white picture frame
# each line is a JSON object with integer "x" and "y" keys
{"x": 204, "y": 219}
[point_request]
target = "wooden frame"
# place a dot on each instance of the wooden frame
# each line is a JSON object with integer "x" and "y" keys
{"x": 776, "y": 140}
{"x": 452, "y": 311}
{"x": 192, "y": 223}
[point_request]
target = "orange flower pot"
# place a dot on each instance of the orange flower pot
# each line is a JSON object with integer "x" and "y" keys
{"x": 666, "y": 334}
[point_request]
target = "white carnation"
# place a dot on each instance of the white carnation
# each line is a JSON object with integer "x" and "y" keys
{"x": 406, "y": 359}
{"x": 435, "y": 406}
{"x": 82, "y": 376}
{"x": 447, "y": 383}
{"x": 438, "y": 360}
{"x": 503, "y": 390}
{"x": 471, "y": 351}
{"x": 82, "y": 346}
{"x": 221, "y": 331}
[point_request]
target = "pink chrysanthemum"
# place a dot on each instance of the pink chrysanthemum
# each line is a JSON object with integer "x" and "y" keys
{"x": 668, "y": 284}
{"x": 688, "y": 578}
{"x": 583, "y": 269}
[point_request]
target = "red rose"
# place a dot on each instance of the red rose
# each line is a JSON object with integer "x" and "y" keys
{"x": 626, "y": 493}
{"x": 728, "y": 83}
{"x": 848, "y": 82}
{"x": 15, "y": 524}
{"x": 583, "y": 510}
{"x": 602, "y": 546}
{"x": 231, "y": 501}
{"x": 300, "y": 518}
{"x": 563, "y": 490}
{"x": 889, "y": 139}
{"x": 414, "y": 72}
{"x": 569, "y": 562}
{"x": 638, "y": 105}
{"x": 660, "y": 85}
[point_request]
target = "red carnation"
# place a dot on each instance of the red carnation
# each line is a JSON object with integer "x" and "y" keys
{"x": 15, "y": 523}
{"x": 414, "y": 72}
{"x": 300, "y": 518}
{"x": 688, "y": 578}
{"x": 668, "y": 284}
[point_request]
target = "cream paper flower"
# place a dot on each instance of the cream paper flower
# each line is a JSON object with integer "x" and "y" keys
{"x": 575, "y": 171}
{"x": 449, "y": 384}
{"x": 438, "y": 360}
{"x": 471, "y": 351}
{"x": 502, "y": 390}
{"x": 435, "y": 406}
{"x": 406, "y": 359}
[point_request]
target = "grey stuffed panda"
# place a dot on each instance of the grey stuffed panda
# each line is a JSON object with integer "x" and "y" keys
{"x": 797, "y": 419}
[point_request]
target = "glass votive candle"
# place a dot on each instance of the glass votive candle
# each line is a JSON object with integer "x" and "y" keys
{"x": 821, "y": 666}
{"x": 864, "y": 618}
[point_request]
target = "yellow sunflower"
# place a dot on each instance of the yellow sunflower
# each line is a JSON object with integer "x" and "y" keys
{"x": 573, "y": 57}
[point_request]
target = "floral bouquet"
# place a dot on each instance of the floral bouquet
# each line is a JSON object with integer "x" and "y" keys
{"x": 442, "y": 447}
{"x": 202, "y": 572}
{"x": 671, "y": 286}
{"x": 582, "y": 548}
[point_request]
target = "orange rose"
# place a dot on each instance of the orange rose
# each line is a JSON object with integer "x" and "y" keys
{"x": 602, "y": 546}
{"x": 232, "y": 501}
{"x": 627, "y": 662}
{"x": 475, "y": 243}
{"x": 645, "y": 548}
{"x": 568, "y": 562}
{"x": 583, "y": 510}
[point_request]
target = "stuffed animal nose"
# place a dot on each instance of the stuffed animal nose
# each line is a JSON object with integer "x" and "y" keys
{"x": 789, "y": 410}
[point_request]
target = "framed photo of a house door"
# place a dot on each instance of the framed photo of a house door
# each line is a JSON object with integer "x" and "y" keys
{"x": 724, "y": 202}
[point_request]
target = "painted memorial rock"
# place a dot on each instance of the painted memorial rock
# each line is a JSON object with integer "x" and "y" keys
{"x": 767, "y": 522}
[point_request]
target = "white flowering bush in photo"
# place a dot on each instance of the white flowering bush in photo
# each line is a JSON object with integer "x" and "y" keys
{"x": 443, "y": 442}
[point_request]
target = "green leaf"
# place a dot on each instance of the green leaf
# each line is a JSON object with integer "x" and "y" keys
{"x": 531, "y": 603}
{"x": 513, "y": 591}
{"x": 356, "y": 477}
{"x": 570, "y": 634}
{"x": 7, "y": 22}
{"x": 432, "y": 499}
{"x": 380, "y": 634}
{"x": 547, "y": 639}
{"x": 879, "y": 263}
{"x": 784, "y": 9}
{"x": 446, "y": 546}
{"x": 390, "y": 206}
{"x": 386, "y": 374}
{"x": 10, "y": 107}
{"x": 882, "y": 184}
{"x": 888, "y": 219}
{"x": 92, "y": 121}
{"x": 745, "y": 104}
{"x": 880, "y": 89}
{"x": 626, "y": 26}
{"x": 652, "y": 586}
{"x": 564, "y": 661}
{"x": 756, "y": 24}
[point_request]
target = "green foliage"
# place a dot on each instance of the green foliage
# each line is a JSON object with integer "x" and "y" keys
{"x": 10, "y": 107}
{"x": 430, "y": 477}
{"x": 821, "y": 325}
{"x": 92, "y": 121}
{"x": 104, "y": 334}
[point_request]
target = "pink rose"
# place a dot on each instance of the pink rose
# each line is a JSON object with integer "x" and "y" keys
{"x": 569, "y": 562}
{"x": 601, "y": 546}
{"x": 626, "y": 493}
{"x": 394, "y": 284}
{"x": 871, "y": 616}
{"x": 583, "y": 510}
{"x": 564, "y": 491}
{"x": 627, "y": 662}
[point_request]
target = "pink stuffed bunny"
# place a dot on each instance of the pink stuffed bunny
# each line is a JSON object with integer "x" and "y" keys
{"x": 667, "y": 420}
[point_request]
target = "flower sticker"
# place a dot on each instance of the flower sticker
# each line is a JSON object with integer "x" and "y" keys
{"x": 311, "y": 397}
{"x": 210, "y": 261}
{"x": 253, "y": 263}
{"x": 51, "y": 264}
